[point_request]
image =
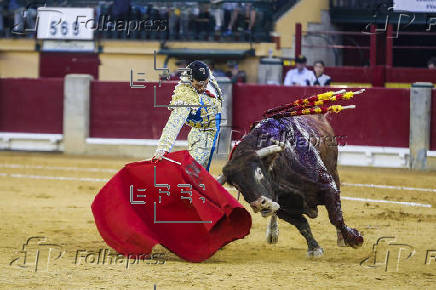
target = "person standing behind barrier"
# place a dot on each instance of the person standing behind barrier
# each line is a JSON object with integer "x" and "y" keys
{"x": 180, "y": 16}
{"x": 218, "y": 14}
{"x": 2, "y": 2}
{"x": 318, "y": 77}
{"x": 250, "y": 14}
{"x": 24, "y": 17}
{"x": 431, "y": 63}
{"x": 188, "y": 14}
{"x": 300, "y": 75}
{"x": 234, "y": 9}
{"x": 231, "y": 10}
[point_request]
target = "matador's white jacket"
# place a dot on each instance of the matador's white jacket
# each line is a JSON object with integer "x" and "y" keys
{"x": 202, "y": 112}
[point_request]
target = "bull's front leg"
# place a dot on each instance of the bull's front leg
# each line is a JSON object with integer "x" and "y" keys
{"x": 300, "y": 222}
{"x": 272, "y": 231}
{"x": 346, "y": 235}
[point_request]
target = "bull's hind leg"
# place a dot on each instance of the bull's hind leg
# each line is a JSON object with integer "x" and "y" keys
{"x": 300, "y": 222}
{"x": 346, "y": 235}
{"x": 272, "y": 231}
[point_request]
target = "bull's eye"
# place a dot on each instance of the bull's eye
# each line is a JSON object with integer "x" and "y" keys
{"x": 258, "y": 174}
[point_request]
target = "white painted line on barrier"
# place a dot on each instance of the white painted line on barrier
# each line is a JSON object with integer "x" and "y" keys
{"x": 385, "y": 201}
{"x": 32, "y": 136}
{"x": 90, "y": 169}
{"x": 372, "y": 200}
{"x": 388, "y": 187}
{"x": 140, "y": 142}
{"x": 14, "y": 175}
{"x": 109, "y": 170}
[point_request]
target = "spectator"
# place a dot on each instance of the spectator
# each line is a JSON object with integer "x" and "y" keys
{"x": 17, "y": 10}
{"x": 121, "y": 9}
{"x": 203, "y": 22}
{"x": 216, "y": 71}
{"x": 250, "y": 14}
{"x": 188, "y": 13}
{"x": 431, "y": 63}
{"x": 181, "y": 64}
{"x": 231, "y": 10}
{"x": 218, "y": 14}
{"x": 234, "y": 73}
{"x": 318, "y": 77}
{"x": 24, "y": 17}
{"x": 1, "y": 17}
{"x": 234, "y": 8}
{"x": 300, "y": 75}
{"x": 175, "y": 20}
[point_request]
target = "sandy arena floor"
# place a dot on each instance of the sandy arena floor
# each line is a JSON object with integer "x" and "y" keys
{"x": 35, "y": 201}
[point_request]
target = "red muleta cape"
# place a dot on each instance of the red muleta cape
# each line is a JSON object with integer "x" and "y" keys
{"x": 181, "y": 207}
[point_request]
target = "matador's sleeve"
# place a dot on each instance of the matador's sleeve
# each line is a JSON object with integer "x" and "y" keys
{"x": 172, "y": 128}
{"x": 184, "y": 97}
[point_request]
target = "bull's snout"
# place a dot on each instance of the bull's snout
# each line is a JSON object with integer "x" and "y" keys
{"x": 266, "y": 205}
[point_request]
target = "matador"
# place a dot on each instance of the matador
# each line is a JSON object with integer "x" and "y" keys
{"x": 197, "y": 102}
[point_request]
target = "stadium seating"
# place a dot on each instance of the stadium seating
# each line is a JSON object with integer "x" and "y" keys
{"x": 199, "y": 18}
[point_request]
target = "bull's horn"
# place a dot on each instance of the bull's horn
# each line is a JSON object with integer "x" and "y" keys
{"x": 281, "y": 144}
{"x": 268, "y": 150}
{"x": 221, "y": 179}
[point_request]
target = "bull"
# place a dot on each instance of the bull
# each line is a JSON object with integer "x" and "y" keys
{"x": 283, "y": 170}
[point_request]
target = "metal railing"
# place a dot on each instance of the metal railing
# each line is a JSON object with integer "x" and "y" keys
{"x": 199, "y": 20}
{"x": 358, "y": 4}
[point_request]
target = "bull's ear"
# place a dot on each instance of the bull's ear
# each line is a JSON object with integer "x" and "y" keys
{"x": 268, "y": 160}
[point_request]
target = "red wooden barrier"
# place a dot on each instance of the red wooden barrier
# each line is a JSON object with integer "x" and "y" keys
{"x": 31, "y": 105}
{"x": 118, "y": 111}
{"x": 410, "y": 75}
{"x": 380, "y": 119}
{"x": 59, "y": 64}
{"x": 373, "y": 47}
{"x": 298, "y": 37}
{"x": 389, "y": 44}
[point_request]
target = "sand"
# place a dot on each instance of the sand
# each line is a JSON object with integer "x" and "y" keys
{"x": 59, "y": 211}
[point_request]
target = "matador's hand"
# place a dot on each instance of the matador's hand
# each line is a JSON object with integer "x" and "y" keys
{"x": 158, "y": 155}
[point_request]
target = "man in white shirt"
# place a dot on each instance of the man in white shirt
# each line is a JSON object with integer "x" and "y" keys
{"x": 300, "y": 75}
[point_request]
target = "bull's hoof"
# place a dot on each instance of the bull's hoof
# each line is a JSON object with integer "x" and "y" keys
{"x": 352, "y": 237}
{"x": 272, "y": 237}
{"x": 340, "y": 241}
{"x": 315, "y": 253}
